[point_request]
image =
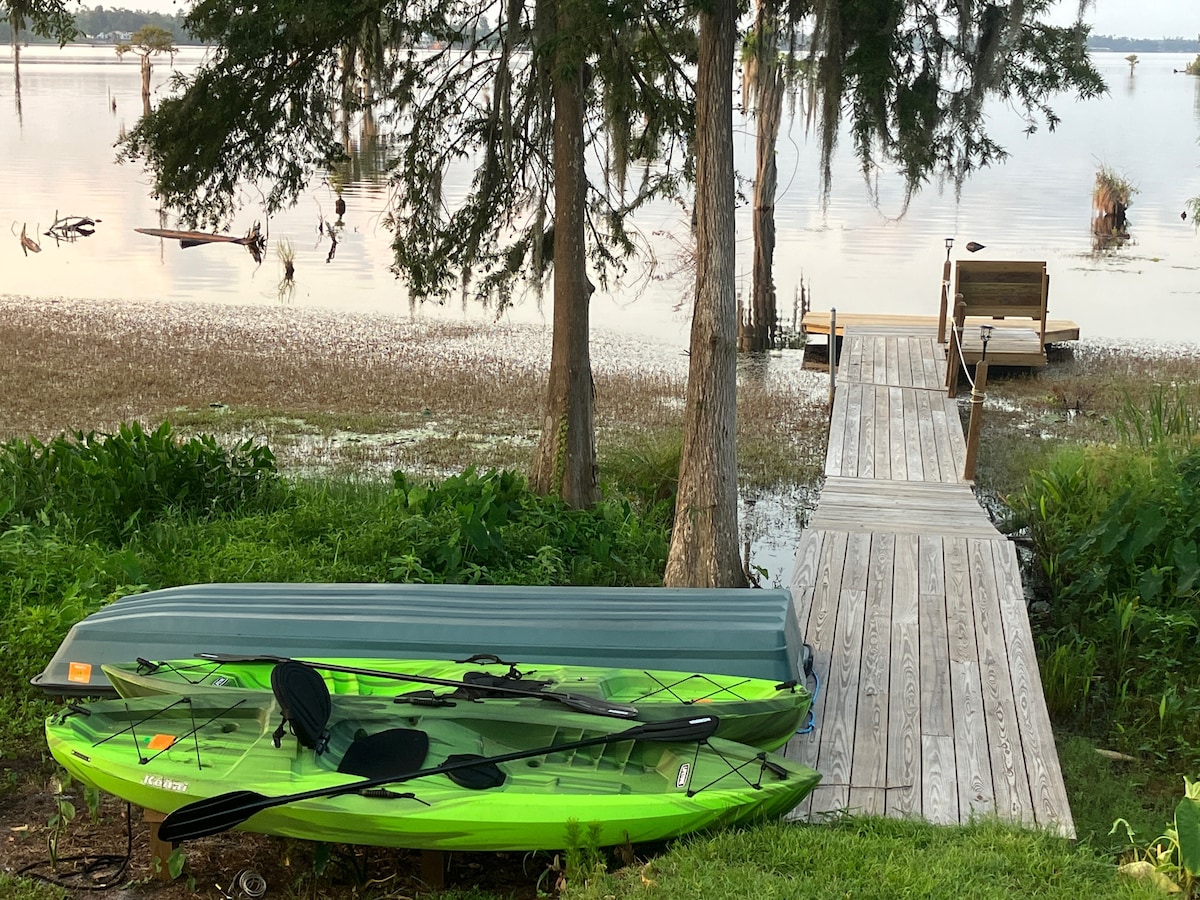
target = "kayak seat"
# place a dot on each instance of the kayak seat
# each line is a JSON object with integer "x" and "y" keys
{"x": 304, "y": 700}
{"x": 397, "y": 751}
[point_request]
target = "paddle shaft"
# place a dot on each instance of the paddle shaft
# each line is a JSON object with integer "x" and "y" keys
{"x": 225, "y": 811}
{"x": 583, "y": 704}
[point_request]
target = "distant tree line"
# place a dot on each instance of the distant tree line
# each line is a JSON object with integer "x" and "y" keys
{"x": 90, "y": 23}
{"x": 1141, "y": 45}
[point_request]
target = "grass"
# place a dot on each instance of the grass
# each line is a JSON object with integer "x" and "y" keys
{"x": 867, "y": 858}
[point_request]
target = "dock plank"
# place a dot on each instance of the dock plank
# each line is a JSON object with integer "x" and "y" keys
{"x": 1010, "y": 780}
{"x": 869, "y": 767}
{"x": 904, "y": 708}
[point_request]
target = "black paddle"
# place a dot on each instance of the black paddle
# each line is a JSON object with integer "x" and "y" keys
{"x": 593, "y": 705}
{"x": 225, "y": 811}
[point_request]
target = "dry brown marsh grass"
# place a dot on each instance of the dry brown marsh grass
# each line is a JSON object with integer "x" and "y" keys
{"x": 346, "y": 392}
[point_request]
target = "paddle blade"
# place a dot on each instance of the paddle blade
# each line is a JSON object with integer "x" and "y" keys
{"x": 693, "y": 728}
{"x": 474, "y": 772}
{"x": 593, "y": 705}
{"x": 211, "y": 815}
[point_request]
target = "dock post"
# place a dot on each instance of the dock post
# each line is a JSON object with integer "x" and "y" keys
{"x": 943, "y": 309}
{"x": 832, "y": 355}
{"x": 160, "y": 850}
{"x": 976, "y": 420}
{"x": 953, "y": 355}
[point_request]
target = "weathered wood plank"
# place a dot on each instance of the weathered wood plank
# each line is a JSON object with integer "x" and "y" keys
{"x": 891, "y": 354}
{"x": 948, "y": 469}
{"x": 1051, "y": 808}
{"x": 975, "y": 792}
{"x": 1010, "y": 781}
{"x": 854, "y": 424}
{"x": 869, "y": 767}
{"x": 914, "y": 464}
{"x": 898, "y": 461}
{"x": 931, "y": 466}
{"x": 836, "y": 747}
{"x": 904, "y": 360}
{"x": 904, "y": 708}
{"x": 819, "y": 632}
{"x": 881, "y": 454}
{"x": 939, "y": 780}
{"x": 835, "y": 449}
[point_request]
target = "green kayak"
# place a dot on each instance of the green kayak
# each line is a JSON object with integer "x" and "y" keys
{"x": 467, "y": 777}
{"x": 754, "y": 711}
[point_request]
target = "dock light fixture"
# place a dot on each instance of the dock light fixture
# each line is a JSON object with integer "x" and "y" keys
{"x": 985, "y": 335}
{"x": 949, "y": 245}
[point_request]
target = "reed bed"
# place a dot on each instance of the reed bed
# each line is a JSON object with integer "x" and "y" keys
{"x": 356, "y": 393}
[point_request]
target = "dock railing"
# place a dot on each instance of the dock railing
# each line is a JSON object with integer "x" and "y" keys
{"x": 956, "y": 363}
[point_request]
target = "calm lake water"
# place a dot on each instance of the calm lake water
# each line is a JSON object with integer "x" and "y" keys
{"x": 58, "y": 157}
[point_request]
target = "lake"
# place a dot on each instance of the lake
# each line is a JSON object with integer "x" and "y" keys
{"x": 58, "y": 157}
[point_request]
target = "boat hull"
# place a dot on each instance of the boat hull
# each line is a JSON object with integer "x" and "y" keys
{"x": 761, "y": 712}
{"x": 162, "y": 753}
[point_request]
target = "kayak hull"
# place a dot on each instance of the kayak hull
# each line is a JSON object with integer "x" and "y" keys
{"x": 162, "y": 753}
{"x": 760, "y": 712}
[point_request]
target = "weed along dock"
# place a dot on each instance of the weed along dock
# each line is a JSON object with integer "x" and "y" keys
{"x": 930, "y": 703}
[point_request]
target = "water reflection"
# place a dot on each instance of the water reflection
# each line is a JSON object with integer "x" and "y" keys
{"x": 850, "y": 254}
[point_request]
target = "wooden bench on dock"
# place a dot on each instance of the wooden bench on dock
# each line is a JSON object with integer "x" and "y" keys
{"x": 1013, "y": 293}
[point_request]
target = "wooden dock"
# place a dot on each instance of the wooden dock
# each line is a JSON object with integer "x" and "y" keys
{"x": 930, "y": 703}
{"x": 816, "y": 322}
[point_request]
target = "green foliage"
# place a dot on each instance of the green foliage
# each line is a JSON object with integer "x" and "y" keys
{"x": 63, "y": 815}
{"x": 147, "y": 41}
{"x": 647, "y": 469}
{"x": 25, "y": 889}
{"x": 1103, "y": 784}
{"x": 109, "y": 485}
{"x": 582, "y": 857}
{"x": 1116, "y": 531}
{"x": 868, "y": 859}
{"x": 45, "y": 18}
{"x": 1172, "y": 858}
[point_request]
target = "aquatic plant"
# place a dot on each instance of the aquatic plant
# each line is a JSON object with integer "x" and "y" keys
{"x": 1111, "y": 197}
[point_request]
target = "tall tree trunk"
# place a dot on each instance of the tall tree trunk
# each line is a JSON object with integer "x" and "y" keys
{"x": 565, "y": 462}
{"x": 146, "y": 84}
{"x": 16, "y": 56}
{"x": 768, "y": 103}
{"x": 704, "y": 551}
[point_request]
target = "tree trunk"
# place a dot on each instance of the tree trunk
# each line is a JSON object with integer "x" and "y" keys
{"x": 146, "y": 84}
{"x": 768, "y": 102}
{"x": 704, "y": 551}
{"x": 565, "y": 462}
{"x": 16, "y": 57}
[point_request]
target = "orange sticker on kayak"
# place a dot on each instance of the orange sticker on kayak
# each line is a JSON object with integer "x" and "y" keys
{"x": 161, "y": 741}
{"x": 80, "y": 673}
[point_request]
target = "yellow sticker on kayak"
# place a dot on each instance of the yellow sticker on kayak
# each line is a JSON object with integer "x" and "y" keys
{"x": 80, "y": 673}
{"x": 161, "y": 741}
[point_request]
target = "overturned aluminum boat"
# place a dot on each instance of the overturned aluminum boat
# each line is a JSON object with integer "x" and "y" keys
{"x": 735, "y": 632}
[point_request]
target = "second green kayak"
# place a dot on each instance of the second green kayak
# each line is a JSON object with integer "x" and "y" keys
{"x": 755, "y": 711}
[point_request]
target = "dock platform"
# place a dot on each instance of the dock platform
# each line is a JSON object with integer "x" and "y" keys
{"x": 930, "y": 702}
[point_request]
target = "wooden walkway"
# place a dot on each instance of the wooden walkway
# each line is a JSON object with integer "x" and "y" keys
{"x": 930, "y": 702}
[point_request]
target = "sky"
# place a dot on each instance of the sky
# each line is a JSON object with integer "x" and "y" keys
{"x": 1121, "y": 18}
